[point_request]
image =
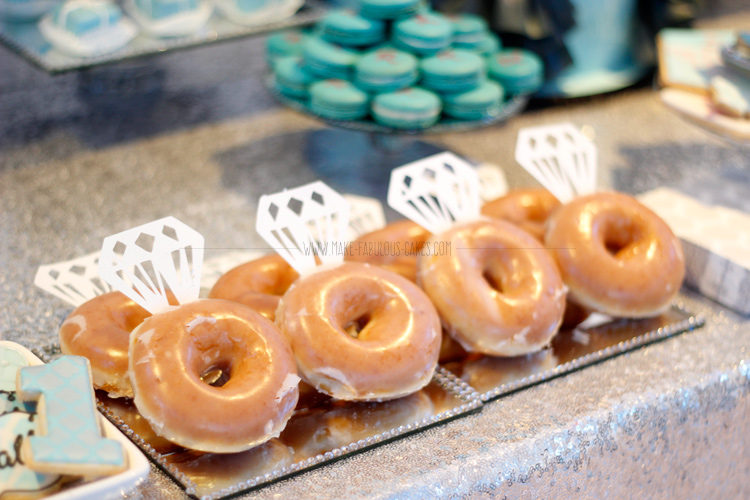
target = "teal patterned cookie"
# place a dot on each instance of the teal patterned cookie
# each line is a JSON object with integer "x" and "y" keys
{"x": 73, "y": 443}
{"x": 17, "y": 421}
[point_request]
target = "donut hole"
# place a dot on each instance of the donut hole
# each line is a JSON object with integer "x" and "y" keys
{"x": 353, "y": 328}
{"x": 619, "y": 235}
{"x": 494, "y": 281}
{"x": 216, "y": 376}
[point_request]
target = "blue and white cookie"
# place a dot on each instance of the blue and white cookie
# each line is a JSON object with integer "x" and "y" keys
{"x": 87, "y": 28}
{"x": 257, "y": 12}
{"x": 170, "y": 18}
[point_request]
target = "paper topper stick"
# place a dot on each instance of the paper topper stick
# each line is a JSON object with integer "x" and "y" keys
{"x": 436, "y": 192}
{"x": 303, "y": 222}
{"x": 492, "y": 183}
{"x": 365, "y": 215}
{"x": 146, "y": 261}
{"x": 75, "y": 281}
{"x": 560, "y": 157}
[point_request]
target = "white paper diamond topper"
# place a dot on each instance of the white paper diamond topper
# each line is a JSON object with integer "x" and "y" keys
{"x": 365, "y": 215}
{"x": 560, "y": 157}
{"x": 436, "y": 192}
{"x": 75, "y": 281}
{"x": 303, "y": 222}
{"x": 492, "y": 183}
{"x": 147, "y": 261}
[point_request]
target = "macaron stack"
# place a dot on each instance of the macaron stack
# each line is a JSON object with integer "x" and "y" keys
{"x": 402, "y": 65}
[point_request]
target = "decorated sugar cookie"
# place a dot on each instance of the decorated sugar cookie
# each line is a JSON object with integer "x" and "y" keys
{"x": 731, "y": 95}
{"x": 17, "y": 421}
{"x": 70, "y": 439}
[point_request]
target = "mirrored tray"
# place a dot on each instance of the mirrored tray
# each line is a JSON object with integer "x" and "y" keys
{"x": 571, "y": 349}
{"x": 25, "y": 39}
{"x": 512, "y": 107}
{"x": 320, "y": 431}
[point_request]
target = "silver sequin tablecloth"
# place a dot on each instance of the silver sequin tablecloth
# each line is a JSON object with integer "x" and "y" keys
{"x": 668, "y": 421}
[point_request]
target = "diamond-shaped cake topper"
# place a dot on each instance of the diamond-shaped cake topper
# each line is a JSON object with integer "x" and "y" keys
{"x": 75, "y": 281}
{"x": 365, "y": 215}
{"x": 492, "y": 183}
{"x": 147, "y": 261}
{"x": 560, "y": 157}
{"x": 436, "y": 192}
{"x": 305, "y": 222}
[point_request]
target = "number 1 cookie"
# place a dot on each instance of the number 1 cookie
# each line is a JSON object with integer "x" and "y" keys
{"x": 70, "y": 439}
{"x": 17, "y": 421}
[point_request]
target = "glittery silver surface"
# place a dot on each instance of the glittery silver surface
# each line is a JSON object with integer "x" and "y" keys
{"x": 670, "y": 420}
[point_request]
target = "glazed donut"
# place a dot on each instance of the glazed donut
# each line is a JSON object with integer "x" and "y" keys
{"x": 100, "y": 331}
{"x": 170, "y": 351}
{"x": 616, "y": 256}
{"x": 360, "y": 332}
{"x": 258, "y": 284}
{"x": 496, "y": 293}
{"x": 317, "y": 432}
{"x": 405, "y": 238}
{"x": 526, "y": 208}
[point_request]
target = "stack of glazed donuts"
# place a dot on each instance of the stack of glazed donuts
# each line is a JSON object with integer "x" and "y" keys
{"x": 503, "y": 289}
{"x": 222, "y": 374}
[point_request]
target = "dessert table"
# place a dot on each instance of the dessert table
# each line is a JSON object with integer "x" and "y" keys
{"x": 671, "y": 420}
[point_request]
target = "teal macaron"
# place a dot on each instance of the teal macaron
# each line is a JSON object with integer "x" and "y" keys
{"x": 338, "y": 100}
{"x": 410, "y": 108}
{"x": 468, "y": 29}
{"x": 291, "y": 79}
{"x": 481, "y": 103}
{"x": 453, "y": 70}
{"x": 425, "y": 34}
{"x": 284, "y": 44}
{"x": 386, "y": 70}
{"x": 518, "y": 71}
{"x": 327, "y": 60}
{"x": 389, "y": 9}
{"x": 488, "y": 45}
{"x": 345, "y": 27}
